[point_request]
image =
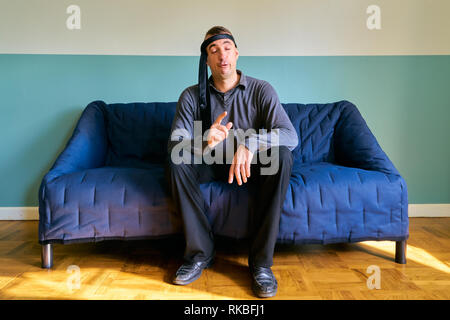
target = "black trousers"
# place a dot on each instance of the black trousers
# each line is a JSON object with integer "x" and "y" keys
{"x": 184, "y": 183}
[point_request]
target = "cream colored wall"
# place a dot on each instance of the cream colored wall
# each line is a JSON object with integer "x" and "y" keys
{"x": 261, "y": 27}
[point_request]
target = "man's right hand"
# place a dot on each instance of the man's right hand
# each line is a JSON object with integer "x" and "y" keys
{"x": 218, "y": 132}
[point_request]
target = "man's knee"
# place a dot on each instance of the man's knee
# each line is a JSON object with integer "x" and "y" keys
{"x": 275, "y": 158}
{"x": 278, "y": 153}
{"x": 285, "y": 155}
{"x": 191, "y": 171}
{"x": 174, "y": 167}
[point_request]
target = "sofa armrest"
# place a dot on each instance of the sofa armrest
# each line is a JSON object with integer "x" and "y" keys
{"x": 356, "y": 146}
{"x": 87, "y": 146}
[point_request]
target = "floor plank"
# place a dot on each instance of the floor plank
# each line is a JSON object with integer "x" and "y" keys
{"x": 144, "y": 269}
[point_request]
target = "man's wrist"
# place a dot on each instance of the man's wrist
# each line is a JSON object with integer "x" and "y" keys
{"x": 250, "y": 144}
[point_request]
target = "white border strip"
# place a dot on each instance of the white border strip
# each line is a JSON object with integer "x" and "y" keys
{"x": 414, "y": 210}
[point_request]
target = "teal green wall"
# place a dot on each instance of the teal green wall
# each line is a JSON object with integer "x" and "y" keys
{"x": 404, "y": 99}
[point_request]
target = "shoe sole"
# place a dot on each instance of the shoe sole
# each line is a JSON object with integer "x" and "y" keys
{"x": 185, "y": 282}
{"x": 263, "y": 294}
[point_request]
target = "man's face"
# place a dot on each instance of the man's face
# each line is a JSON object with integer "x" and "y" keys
{"x": 222, "y": 58}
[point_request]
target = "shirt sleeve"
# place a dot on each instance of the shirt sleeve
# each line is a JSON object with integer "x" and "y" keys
{"x": 278, "y": 129}
{"x": 186, "y": 135}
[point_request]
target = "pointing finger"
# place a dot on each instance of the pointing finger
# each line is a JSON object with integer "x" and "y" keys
{"x": 220, "y": 117}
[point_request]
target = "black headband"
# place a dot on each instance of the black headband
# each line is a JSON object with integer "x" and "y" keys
{"x": 204, "y": 102}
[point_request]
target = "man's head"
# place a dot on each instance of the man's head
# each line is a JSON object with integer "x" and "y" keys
{"x": 222, "y": 54}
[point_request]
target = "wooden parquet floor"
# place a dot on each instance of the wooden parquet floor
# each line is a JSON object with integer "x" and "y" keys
{"x": 144, "y": 269}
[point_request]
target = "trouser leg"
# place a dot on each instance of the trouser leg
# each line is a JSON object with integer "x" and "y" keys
{"x": 189, "y": 202}
{"x": 265, "y": 219}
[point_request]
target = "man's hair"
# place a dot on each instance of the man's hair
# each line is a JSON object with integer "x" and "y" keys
{"x": 217, "y": 30}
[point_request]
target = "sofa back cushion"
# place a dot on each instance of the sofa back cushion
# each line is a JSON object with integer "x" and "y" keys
{"x": 315, "y": 124}
{"x": 138, "y": 132}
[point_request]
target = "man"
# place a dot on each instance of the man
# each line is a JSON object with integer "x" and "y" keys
{"x": 229, "y": 99}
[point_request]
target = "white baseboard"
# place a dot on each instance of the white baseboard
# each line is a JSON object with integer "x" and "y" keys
{"x": 414, "y": 210}
{"x": 429, "y": 210}
{"x": 19, "y": 213}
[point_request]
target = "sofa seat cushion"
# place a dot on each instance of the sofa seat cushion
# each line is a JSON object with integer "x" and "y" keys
{"x": 328, "y": 203}
{"x": 108, "y": 202}
{"x": 120, "y": 202}
{"x": 325, "y": 203}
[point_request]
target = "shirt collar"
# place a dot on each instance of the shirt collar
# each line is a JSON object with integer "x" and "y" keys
{"x": 242, "y": 81}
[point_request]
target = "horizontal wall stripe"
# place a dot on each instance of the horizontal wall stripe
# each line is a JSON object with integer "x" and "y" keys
{"x": 414, "y": 210}
{"x": 404, "y": 99}
{"x": 261, "y": 27}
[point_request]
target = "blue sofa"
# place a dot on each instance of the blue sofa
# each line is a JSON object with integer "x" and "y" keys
{"x": 109, "y": 182}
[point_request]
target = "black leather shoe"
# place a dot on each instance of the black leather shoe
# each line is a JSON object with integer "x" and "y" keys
{"x": 264, "y": 284}
{"x": 189, "y": 272}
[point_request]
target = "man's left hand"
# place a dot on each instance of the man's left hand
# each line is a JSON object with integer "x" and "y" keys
{"x": 241, "y": 165}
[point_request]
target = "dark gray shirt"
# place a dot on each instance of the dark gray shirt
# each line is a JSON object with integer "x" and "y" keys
{"x": 251, "y": 104}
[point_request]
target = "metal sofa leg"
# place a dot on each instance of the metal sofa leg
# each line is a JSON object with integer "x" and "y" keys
{"x": 400, "y": 252}
{"x": 47, "y": 256}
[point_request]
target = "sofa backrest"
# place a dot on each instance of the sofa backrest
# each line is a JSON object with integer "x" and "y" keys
{"x": 315, "y": 125}
{"x": 138, "y": 132}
